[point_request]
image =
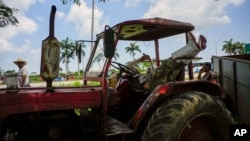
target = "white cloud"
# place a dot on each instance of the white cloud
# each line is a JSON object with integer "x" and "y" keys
{"x": 21, "y": 5}
{"x": 25, "y": 26}
{"x": 81, "y": 17}
{"x": 5, "y": 45}
{"x": 60, "y": 15}
{"x": 237, "y": 2}
{"x": 131, "y": 3}
{"x": 23, "y": 48}
{"x": 41, "y": 1}
{"x": 201, "y": 13}
{"x": 35, "y": 53}
{"x": 39, "y": 18}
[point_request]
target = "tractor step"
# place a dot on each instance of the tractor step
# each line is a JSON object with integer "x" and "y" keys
{"x": 117, "y": 129}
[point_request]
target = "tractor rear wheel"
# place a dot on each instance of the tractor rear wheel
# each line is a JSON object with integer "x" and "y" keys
{"x": 190, "y": 116}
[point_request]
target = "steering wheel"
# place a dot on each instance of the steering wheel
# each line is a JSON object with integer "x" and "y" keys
{"x": 122, "y": 68}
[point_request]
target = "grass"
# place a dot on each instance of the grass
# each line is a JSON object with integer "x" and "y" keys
{"x": 76, "y": 83}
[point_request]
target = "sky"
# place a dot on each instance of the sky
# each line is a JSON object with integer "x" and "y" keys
{"x": 217, "y": 20}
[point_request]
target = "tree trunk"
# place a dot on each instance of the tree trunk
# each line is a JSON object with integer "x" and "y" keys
{"x": 66, "y": 68}
{"x": 78, "y": 69}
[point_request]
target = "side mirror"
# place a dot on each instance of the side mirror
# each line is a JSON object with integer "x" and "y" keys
{"x": 108, "y": 42}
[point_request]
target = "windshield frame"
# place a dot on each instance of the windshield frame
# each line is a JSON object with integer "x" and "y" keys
{"x": 153, "y": 30}
{"x": 88, "y": 72}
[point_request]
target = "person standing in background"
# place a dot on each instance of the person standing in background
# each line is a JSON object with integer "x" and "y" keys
{"x": 23, "y": 74}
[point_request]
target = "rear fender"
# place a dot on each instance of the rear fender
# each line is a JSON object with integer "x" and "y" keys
{"x": 197, "y": 85}
{"x": 162, "y": 92}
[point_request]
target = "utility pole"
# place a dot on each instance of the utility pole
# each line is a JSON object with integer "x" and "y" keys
{"x": 216, "y": 46}
{"x": 92, "y": 24}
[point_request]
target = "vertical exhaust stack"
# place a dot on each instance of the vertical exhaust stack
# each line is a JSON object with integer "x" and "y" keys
{"x": 50, "y": 58}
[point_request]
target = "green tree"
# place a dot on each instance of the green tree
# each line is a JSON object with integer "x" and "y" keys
{"x": 10, "y": 71}
{"x": 232, "y": 48}
{"x": 67, "y": 52}
{"x": 144, "y": 66}
{"x": 240, "y": 47}
{"x": 7, "y": 15}
{"x": 80, "y": 53}
{"x": 116, "y": 55}
{"x": 228, "y": 47}
{"x": 33, "y": 73}
{"x": 132, "y": 49}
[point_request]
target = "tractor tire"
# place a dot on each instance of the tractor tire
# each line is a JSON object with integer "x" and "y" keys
{"x": 190, "y": 116}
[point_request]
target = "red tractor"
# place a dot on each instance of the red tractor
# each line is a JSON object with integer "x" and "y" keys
{"x": 174, "y": 111}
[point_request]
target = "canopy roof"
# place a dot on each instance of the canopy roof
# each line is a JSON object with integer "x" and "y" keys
{"x": 150, "y": 29}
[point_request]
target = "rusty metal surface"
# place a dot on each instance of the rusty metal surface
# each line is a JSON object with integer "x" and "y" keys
{"x": 234, "y": 77}
{"x": 150, "y": 29}
{"x": 50, "y": 57}
{"x": 35, "y": 99}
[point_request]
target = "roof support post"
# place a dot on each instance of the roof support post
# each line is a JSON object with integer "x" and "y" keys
{"x": 157, "y": 59}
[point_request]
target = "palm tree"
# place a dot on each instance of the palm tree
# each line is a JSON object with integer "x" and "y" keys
{"x": 228, "y": 47}
{"x": 233, "y": 48}
{"x": 240, "y": 47}
{"x": 132, "y": 49}
{"x": 79, "y": 53}
{"x": 7, "y": 15}
{"x": 67, "y": 52}
{"x": 116, "y": 55}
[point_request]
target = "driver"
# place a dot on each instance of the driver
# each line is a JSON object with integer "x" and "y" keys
{"x": 166, "y": 72}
